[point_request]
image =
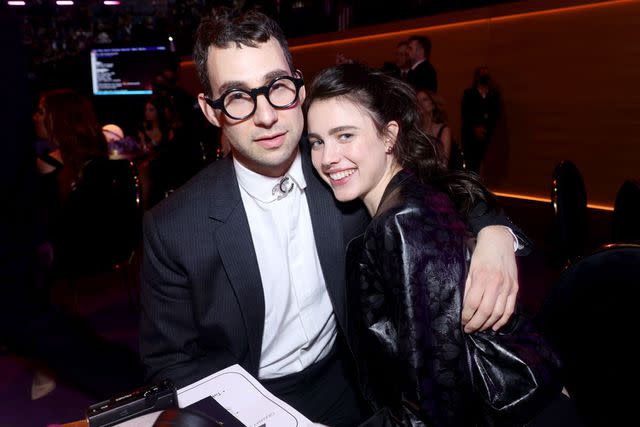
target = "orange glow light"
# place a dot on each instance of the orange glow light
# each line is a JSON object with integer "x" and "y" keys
{"x": 405, "y": 33}
{"x": 548, "y": 200}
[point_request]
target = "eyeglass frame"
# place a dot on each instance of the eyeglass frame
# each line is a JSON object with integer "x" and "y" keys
{"x": 218, "y": 104}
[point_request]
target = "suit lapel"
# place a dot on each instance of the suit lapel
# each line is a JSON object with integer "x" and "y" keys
{"x": 238, "y": 256}
{"x": 329, "y": 237}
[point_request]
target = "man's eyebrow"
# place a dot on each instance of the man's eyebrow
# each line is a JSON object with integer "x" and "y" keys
{"x": 236, "y": 84}
{"x": 274, "y": 75}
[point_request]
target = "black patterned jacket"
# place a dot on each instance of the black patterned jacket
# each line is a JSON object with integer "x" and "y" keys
{"x": 407, "y": 275}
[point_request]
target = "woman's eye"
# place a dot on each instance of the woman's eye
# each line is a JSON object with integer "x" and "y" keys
{"x": 315, "y": 143}
{"x": 345, "y": 136}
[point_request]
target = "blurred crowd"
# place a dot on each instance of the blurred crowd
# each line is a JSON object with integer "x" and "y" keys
{"x": 53, "y": 34}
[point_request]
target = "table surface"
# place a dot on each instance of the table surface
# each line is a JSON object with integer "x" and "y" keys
{"x": 81, "y": 423}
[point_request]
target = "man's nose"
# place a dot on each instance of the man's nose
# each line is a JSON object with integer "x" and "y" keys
{"x": 265, "y": 115}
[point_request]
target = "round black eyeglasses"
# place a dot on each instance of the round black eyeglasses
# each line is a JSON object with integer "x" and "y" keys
{"x": 240, "y": 104}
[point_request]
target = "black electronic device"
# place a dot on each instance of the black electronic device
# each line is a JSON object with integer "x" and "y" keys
{"x": 144, "y": 400}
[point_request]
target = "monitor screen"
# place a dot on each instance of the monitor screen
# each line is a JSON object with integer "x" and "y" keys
{"x": 126, "y": 70}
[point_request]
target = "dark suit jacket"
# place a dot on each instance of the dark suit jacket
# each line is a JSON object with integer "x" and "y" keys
{"x": 424, "y": 76}
{"x": 202, "y": 297}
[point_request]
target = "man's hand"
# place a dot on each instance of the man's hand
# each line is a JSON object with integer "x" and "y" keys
{"x": 492, "y": 283}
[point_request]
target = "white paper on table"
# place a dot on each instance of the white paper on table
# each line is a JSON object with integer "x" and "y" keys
{"x": 143, "y": 421}
{"x": 244, "y": 397}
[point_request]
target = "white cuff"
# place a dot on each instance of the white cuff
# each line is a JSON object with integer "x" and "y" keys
{"x": 516, "y": 243}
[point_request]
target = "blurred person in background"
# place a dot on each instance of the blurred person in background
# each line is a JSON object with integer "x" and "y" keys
{"x": 480, "y": 111}
{"x": 155, "y": 129}
{"x": 422, "y": 73}
{"x": 434, "y": 121}
{"x": 400, "y": 67}
{"x": 74, "y": 140}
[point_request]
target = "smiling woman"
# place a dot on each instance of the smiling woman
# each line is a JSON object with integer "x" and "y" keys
{"x": 407, "y": 272}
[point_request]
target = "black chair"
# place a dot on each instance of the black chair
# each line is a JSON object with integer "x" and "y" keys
{"x": 102, "y": 223}
{"x": 626, "y": 213}
{"x": 589, "y": 318}
{"x": 456, "y": 157}
{"x": 569, "y": 202}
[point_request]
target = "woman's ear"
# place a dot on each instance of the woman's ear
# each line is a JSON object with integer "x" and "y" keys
{"x": 391, "y": 135}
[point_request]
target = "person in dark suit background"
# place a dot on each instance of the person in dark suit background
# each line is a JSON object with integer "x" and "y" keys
{"x": 246, "y": 262}
{"x": 480, "y": 111}
{"x": 402, "y": 63}
{"x": 422, "y": 74}
{"x": 29, "y": 325}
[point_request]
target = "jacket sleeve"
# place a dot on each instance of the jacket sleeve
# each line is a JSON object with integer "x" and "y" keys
{"x": 169, "y": 340}
{"x": 481, "y": 216}
{"x": 419, "y": 265}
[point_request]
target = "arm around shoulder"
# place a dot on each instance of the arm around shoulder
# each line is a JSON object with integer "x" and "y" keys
{"x": 482, "y": 216}
{"x": 492, "y": 283}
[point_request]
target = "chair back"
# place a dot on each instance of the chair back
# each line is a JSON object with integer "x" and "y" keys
{"x": 569, "y": 201}
{"x": 589, "y": 319}
{"x": 626, "y": 213}
{"x": 456, "y": 157}
{"x": 103, "y": 216}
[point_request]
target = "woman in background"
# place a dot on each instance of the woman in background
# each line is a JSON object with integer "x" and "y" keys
{"x": 434, "y": 120}
{"x": 69, "y": 139}
{"x": 155, "y": 130}
{"x": 66, "y": 119}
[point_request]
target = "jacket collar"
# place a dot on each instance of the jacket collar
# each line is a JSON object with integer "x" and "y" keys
{"x": 398, "y": 179}
{"x": 235, "y": 247}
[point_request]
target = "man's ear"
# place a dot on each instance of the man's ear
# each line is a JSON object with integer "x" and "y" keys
{"x": 302, "y": 94}
{"x": 303, "y": 90}
{"x": 210, "y": 113}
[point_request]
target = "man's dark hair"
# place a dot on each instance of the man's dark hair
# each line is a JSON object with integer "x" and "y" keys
{"x": 225, "y": 26}
{"x": 423, "y": 41}
{"x": 403, "y": 43}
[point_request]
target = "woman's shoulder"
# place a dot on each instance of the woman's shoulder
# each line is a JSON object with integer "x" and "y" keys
{"x": 412, "y": 204}
{"x": 440, "y": 129}
{"x": 406, "y": 192}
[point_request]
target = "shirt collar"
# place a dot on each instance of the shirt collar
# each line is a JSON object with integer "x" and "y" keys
{"x": 418, "y": 63}
{"x": 260, "y": 187}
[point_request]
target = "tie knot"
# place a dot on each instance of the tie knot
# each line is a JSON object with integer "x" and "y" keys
{"x": 283, "y": 187}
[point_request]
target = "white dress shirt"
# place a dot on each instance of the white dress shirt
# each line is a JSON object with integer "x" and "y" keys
{"x": 299, "y": 324}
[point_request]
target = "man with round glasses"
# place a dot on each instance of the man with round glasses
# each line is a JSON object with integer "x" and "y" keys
{"x": 245, "y": 263}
